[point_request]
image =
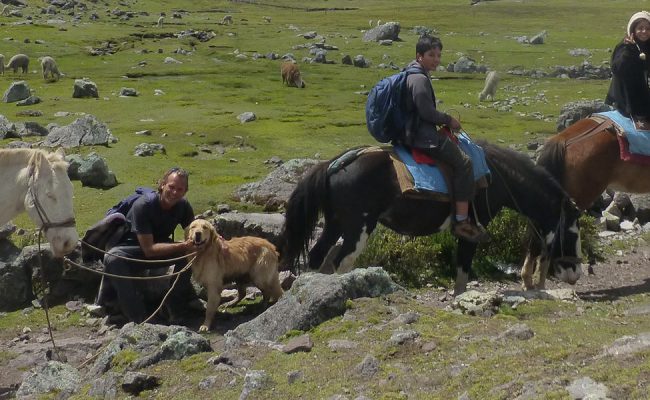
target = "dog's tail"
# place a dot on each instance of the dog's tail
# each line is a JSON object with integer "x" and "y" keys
{"x": 307, "y": 202}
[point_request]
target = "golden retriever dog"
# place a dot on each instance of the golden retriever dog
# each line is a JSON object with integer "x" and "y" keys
{"x": 291, "y": 75}
{"x": 246, "y": 260}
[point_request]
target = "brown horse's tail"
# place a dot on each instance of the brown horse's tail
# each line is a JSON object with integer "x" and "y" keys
{"x": 306, "y": 203}
{"x": 552, "y": 158}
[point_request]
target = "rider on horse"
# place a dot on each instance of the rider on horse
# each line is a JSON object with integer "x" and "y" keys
{"x": 629, "y": 92}
{"x": 422, "y": 134}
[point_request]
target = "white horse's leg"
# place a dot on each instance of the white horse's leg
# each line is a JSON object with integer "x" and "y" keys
{"x": 527, "y": 272}
{"x": 327, "y": 267}
{"x": 347, "y": 264}
{"x": 461, "y": 281}
{"x": 541, "y": 269}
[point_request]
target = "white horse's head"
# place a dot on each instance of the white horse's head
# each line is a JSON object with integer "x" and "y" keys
{"x": 49, "y": 201}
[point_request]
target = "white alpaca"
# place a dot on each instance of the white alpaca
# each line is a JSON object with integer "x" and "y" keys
{"x": 267, "y": 19}
{"x": 490, "y": 89}
{"x": 49, "y": 67}
{"x": 19, "y": 61}
{"x": 160, "y": 21}
{"x": 227, "y": 20}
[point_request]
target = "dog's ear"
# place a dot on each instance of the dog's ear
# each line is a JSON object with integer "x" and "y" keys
{"x": 187, "y": 231}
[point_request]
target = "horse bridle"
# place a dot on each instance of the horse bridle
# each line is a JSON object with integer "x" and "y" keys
{"x": 558, "y": 228}
{"x": 560, "y": 233}
{"x": 46, "y": 223}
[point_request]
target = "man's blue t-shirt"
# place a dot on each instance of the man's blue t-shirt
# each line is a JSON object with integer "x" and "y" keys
{"x": 147, "y": 217}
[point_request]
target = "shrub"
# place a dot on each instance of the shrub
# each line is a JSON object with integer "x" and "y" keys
{"x": 418, "y": 261}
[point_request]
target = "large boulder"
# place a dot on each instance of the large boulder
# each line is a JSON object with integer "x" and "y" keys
{"x": 575, "y": 111}
{"x": 16, "y": 92}
{"x": 54, "y": 377}
{"x": 313, "y": 298}
{"x": 84, "y": 131}
{"x": 267, "y": 226}
{"x": 15, "y": 280}
{"x": 93, "y": 172}
{"x": 387, "y": 31}
{"x": 152, "y": 343}
{"x": 274, "y": 190}
{"x": 84, "y": 88}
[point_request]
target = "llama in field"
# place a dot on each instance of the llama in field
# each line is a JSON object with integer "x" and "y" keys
{"x": 161, "y": 19}
{"x": 50, "y": 69}
{"x": 18, "y": 61}
{"x": 490, "y": 89}
{"x": 291, "y": 75}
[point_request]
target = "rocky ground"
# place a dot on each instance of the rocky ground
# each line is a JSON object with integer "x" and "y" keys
{"x": 624, "y": 274}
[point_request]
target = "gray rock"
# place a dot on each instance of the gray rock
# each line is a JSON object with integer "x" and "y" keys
{"x": 105, "y": 387}
{"x": 149, "y": 149}
{"x": 627, "y": 345}
{"x": 17, "y": 91}
{"x": 234, "y": 224}
{"x": 7, "y": 129}
{"x": 51, "y": 377}
{"x": 93, "y": 172}
{"x": 313, "y": 299}
{"x": 274, "y": 190}
{"x": 518, "y": 331}
{"x": 84, "y": 131}
{"x": 387, "y": 31}
{"x": 84, "y": 88}
{"x": 367, "y": 368}
{"x": 128, "y": 92}
{"x": 136, "y": 382}
{"x": 401, "y": 337}
{"x": 574, "y": 111}
{"x": 31, "y": 100}
{"x": 246, "y": 117}
{"x": 473, "y": 302}
{"x": 153, "y": 343}
{"x": 587, "y": 389}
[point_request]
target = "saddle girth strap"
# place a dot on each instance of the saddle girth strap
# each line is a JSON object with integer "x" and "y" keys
{"x": 603, "y": 123}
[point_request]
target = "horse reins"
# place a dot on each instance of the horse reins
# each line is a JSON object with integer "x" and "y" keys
{"x": 558, "y": 230}
{"x": 46, "y": 224}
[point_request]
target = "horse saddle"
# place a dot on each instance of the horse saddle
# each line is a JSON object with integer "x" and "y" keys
{"x": 417, "y": 175}
{"x": 633, "y": 142}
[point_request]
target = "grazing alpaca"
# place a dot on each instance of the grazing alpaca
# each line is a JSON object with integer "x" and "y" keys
{"x": 49, "y": 67}
{"x": 227, "y": 20}
{"x": 490, "y": 89}
{"x": 291, "y": 75}
{"x": 160, "y": 21}
{"x": 19, "y": 61}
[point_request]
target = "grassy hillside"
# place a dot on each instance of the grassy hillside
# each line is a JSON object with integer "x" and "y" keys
{"x": 205, "y": 93}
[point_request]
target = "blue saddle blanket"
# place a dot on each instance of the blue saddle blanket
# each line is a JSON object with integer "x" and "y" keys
{"x": 429, "y": 177}
{"x": 639, "y": 141}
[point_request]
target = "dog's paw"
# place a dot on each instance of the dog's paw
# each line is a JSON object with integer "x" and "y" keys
{"x": 203, "y": 329}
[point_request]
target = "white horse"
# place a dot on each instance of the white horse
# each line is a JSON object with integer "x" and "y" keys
{"x": 37, "y": 182}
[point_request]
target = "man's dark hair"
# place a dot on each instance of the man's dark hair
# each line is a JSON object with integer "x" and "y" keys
{"x": 178, "y": 171}
{"x": 426, "y": 43}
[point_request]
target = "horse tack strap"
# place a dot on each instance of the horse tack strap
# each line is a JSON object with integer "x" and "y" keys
{"x": 602, "y": 123}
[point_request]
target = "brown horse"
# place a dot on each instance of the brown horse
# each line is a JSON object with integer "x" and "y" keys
{"x": 585, "y": 159}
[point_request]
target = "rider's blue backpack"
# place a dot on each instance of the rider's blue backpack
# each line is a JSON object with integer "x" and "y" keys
{"x": 386, "y": 117}
{"x": 125, "y": 204}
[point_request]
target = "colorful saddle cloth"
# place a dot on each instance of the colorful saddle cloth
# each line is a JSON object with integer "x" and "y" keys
{"x": 429, "y": 177}
{"x": 633, "y": 142}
